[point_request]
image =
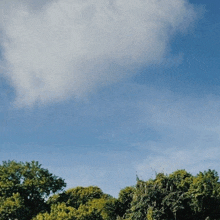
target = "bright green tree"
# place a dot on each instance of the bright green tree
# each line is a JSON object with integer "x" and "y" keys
{"x": 58, "y": 212}
{"x": 24, "y": 188}
{"x": 11, "y": 207}
{"x": 107, "y": 207}
{"x": 88, "y": 203}
{"x": 87, "y": 212}
{"x": 77, "y": 196}
{"x": 93, "y": 210}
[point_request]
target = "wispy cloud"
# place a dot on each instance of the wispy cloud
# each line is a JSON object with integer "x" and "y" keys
{"x": 166, "y": 130}
{"x": 68, "y": 48}
{"x": 188, "y": 130}
{"x": 194, "y": 158}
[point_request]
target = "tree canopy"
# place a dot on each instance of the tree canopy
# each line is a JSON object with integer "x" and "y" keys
{"x": 177, "y": 196}
{"x": 29, "y": 192}
{"x": 24, "y": 188}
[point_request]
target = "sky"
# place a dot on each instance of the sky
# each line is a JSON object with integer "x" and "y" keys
{"x": 101, "y": 91}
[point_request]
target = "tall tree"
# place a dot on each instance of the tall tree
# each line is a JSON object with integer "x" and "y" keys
{"x": 24, "y": 188}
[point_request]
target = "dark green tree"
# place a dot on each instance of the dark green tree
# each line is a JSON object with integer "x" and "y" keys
{"x": 204, "y": 195}
{"x": 162, "y": 198}
{"x": 24, "y": 188}
{"x": 124, "y": 200}
{"x": 178, "y": 196}
{"x": 176, "y": 199}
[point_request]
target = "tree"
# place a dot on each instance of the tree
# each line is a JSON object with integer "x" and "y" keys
{"x": 204, "y": 195}
{"x": 106, "y": 206}
{"x": 88, "y": 202}
{"x": 24, "y": 188}
{"x": 178, "y": 196}
{"x": 124, "y": 200}
{"x": 86, "y": 212}
{"x": 77, "y": 196}
{"x": 176, "y": 199}
{"x": 11, "y": 207}
{"x": 58, "y": 212}
{"x": 161, "y": 198}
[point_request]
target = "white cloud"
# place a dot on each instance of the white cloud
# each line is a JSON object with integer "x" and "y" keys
{"x": 68, "y": 48}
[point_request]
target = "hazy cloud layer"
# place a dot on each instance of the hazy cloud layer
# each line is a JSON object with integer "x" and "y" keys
{"x": 168, "y": 130}
{"x": 188, "y": 130}
{"x": 67, "y": 48}
{"x": 193, "y": 159}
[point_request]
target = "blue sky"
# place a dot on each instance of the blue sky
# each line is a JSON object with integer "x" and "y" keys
{"x": 98, "y": 92}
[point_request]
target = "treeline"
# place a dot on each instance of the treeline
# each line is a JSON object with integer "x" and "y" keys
{"x": 30, "y": 192}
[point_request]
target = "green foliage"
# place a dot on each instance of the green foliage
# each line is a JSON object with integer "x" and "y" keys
{"x": 88, "y": 213}
{"x": 147, "y": 194}
{"x": 204, "y": 194}
{"x": 108, "y": 207}
{"x": 24, "y": 188}
{"x": 94, "y": 209}
{"x": 58, "y": 212}
{"x": 177, "y": 196}
{"x": 124, "y": 200}
{"x": 88, "y": 202}
{"x": 150, "y": 213}
{"x": 77, "y": 196}
{"x": 61, "y": 211}
{"x": 11, "y": 207}
{"x": 81, "y": 195}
